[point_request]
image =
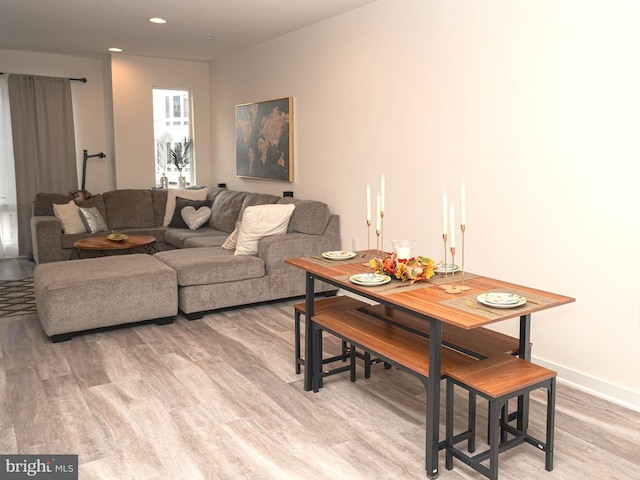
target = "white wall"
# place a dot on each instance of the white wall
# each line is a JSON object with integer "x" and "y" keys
{"x": 534, "y": 104}
{"x": 133, "y": 79}
{"x": 88, "y": 98}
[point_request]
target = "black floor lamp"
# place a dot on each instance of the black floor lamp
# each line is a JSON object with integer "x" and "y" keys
{"x": 85, "y": 157}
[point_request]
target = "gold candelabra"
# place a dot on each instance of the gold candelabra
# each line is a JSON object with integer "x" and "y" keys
{"x": 382, "y": 232}
{"x": 444, "y": 239}
{"x": 452, "y": 287}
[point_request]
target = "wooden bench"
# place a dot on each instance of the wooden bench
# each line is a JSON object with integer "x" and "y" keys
{"x": 322, "y": 306}
{"x": 395, "y": 345}
{"x": 478, "y": 342}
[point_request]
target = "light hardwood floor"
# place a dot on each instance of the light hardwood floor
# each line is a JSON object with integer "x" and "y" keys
{"x": 218, "y": 398}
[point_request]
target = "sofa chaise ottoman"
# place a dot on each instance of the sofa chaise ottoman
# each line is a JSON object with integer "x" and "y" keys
{"x": 80, "y": 295}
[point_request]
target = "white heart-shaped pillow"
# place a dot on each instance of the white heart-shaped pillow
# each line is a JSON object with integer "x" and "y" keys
{"x": 195, "y": 218}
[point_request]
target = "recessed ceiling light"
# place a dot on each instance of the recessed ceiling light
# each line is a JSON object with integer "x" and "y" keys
{"x": 115, "y": 49}
{"x": 157, "y": 20}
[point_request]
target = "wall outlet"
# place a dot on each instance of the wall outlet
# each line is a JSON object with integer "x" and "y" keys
{"x": 355, "y": 245}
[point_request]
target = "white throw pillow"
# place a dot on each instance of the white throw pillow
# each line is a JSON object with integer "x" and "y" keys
{"x": 69, "y": 216}
{"x": 232, "y": 239}
{"x": 172, "y": 193}
{"x": 261, "y": 221}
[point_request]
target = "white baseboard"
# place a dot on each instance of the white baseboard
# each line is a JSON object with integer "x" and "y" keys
{"x": 595, "y": 386}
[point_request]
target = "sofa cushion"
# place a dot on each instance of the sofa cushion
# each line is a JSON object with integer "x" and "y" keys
{"x": 43, "y": 203}
{"x": 173, "y": 193}
{"x": 260, "y": 221}
{"x": 204, "y": 241}
{"x": 257, "y": 199}
{"x": 69, "y": 216}
{"x": 159, "y": 200}
{"x": 226, "y": 209}
{"x": 208, "y": 265}
{"x": 129, "y": 208}
{"x": 309, "y": 217}
{"x": 177, "y": 221}
{"x": 177, "y": 237}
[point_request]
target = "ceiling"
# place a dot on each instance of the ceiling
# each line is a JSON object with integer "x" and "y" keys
{"x": 199, "y": 30}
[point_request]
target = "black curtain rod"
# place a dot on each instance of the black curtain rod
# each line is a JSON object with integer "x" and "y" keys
{"x": 83, "y": 80}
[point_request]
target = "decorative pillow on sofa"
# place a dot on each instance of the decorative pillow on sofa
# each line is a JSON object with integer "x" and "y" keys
{"x": 195, "y": 218}
{"x": 178, "y": 220}
{"x": 93, "y": 220}
{"x": 69, "y": 216}
{"x": 232, "y": 239}
{"x": 260, "y": 221}
{"x": 172, "y": 193}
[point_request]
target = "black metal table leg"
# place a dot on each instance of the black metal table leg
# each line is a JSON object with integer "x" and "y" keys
{"x": 309, "y": 369}
{"x": 525, "y": 353}
{"x": 433, "y": 399}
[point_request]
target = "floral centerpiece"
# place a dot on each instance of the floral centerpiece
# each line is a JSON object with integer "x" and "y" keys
{"x": 418, "y": 269}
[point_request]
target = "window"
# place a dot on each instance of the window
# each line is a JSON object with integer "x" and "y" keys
{"x": 172, "y": 128}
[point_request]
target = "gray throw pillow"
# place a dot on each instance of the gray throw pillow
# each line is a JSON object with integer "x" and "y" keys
{"x": 93, "y": 220}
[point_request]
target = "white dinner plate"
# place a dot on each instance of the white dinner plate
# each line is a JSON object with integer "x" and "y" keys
{"x": 339, "y": 255}
{"x": 502, "y": 298}
{"x": 370, "y": 279}
{"x": 482, "y": 298}
{"x": 449, "y": 268}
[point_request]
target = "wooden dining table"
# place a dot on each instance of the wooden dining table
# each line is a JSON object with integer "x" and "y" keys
{"x": 432, "y": 304}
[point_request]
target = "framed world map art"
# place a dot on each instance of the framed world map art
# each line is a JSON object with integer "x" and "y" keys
{"x": 264, "y": 140}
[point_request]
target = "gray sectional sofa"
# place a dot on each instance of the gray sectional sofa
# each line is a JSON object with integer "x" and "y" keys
{"x": 209, "y": 277}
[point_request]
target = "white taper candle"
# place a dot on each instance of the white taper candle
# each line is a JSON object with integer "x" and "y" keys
{"x": 378, "y": 215}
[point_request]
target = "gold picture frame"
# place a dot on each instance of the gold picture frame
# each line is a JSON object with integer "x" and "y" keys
{"x": 264, "y": 140}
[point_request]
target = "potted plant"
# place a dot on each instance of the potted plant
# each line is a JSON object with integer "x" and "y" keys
{"x": 180, "y": 155}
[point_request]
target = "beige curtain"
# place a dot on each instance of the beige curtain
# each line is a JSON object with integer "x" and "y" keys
{"x": 43, "y": 143}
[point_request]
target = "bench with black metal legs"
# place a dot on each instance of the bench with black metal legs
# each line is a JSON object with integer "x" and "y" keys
{"x": 322, "y": 306}
{"x": 498, "y": 379}
{"x": 393, "y": 344}
{"x": 478, "y": 342}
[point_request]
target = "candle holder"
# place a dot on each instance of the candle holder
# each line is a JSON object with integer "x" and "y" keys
{"x": 368, "y": 234}
{"x": 378, "y": 242}
{"x": 382, "y": 230}
{"x": 444, "y": 239}
{"x": 463, "y": 287}
{"x": 452, "y": 288}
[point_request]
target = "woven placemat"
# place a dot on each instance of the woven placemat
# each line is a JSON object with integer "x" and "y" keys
{"x": 325, "y": 262}
{"x": 469, "y": 303}
{"x": 438, "y": 279}
{"x": 394, "y": 286}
